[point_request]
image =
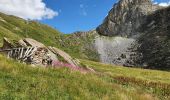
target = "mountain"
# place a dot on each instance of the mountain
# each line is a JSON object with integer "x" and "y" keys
{"x": 143, "y": 31}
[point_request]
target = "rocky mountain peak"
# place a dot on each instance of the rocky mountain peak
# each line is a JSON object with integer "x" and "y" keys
{"x": 126, "y": 17}
{"x": 136, "y": 1}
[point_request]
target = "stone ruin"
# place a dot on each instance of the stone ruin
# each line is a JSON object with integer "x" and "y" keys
{"x": 33, "y": 52}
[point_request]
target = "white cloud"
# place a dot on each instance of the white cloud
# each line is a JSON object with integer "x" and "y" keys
{"x": 27, "y": 9}
{"x": 164, "y": 4}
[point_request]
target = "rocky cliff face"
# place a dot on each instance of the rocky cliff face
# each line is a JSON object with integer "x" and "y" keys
{"x": 126, "y": 17}
{"x": 144, "y": 31}
{"x": 155, "y": 40}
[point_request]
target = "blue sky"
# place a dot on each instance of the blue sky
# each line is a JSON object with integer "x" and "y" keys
{"x": 65, "y": 15}
{"x": 78, "y": 15}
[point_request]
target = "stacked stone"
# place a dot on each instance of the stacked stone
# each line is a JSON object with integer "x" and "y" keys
{"x": 33, "y": 52}
{"x": 41, "y": 57}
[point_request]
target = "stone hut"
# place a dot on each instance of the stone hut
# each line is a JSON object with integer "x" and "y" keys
{"x": 33, "y": 52}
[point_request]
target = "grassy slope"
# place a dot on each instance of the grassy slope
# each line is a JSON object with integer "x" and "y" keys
{"x": 80, "y": 45}
{"x": 16, "y": 28}
{"x": 19, "y": 81}
{"x": 153, "y": 81}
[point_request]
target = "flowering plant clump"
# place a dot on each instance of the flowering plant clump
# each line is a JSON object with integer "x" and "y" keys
{"x": 61, "y": 64}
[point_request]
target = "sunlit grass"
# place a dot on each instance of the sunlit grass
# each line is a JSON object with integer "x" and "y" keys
{"x": 20, "y": 81}
{"x": 153, "y": 81}
{"x": 150, "y": 75}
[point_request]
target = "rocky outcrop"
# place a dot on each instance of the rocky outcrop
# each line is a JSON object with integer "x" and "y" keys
{"x": 143, "y": 22}
{"x": 32, "y": 42}
{"x": 155, "y": 40}
{"x": 125, "y": 17}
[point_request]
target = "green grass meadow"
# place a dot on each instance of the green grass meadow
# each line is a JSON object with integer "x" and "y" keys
{"x": 23, "y": 82}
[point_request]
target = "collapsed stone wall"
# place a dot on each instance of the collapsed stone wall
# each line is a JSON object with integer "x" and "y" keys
{"x": 30, "y": 55}
{"x": 33, "y": 52}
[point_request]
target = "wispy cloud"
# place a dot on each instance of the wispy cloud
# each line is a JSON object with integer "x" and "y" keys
{"x": 81, "y": 6}
{"x": 83, "y": 9}
{"x": 27, "y": 9}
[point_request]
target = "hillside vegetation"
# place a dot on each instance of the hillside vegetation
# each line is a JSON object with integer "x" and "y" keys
{"x": 16, "y": 28}
{"x": 20, "y": 81}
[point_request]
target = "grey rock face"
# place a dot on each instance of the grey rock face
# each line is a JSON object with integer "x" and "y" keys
{"x": 113, "y": 50}
{"x": 146, "y": 28}
{"x": 155, "y": 40}
{"x": 126, "y": 17}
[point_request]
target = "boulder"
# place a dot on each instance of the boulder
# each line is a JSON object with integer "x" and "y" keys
{"x": 22, "y": 43}
{"x": 64, "y": 55}
{"x": 33, "y": 43}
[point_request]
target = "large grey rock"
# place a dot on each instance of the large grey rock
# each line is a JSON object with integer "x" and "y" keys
{"x": 22, "y": 43}
{"x": 126, "y": 17}
{"x": 33, "y": 43}
{"x": 64, "y": 55}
